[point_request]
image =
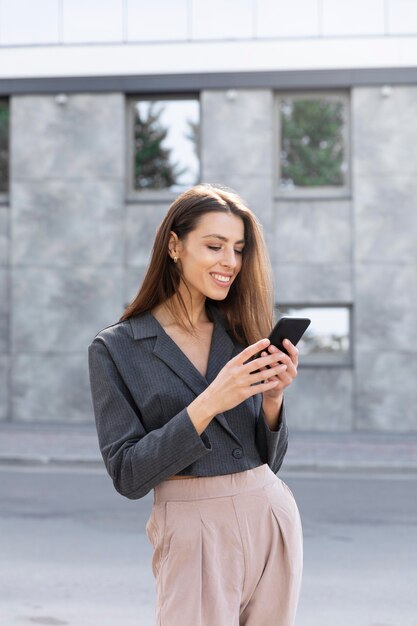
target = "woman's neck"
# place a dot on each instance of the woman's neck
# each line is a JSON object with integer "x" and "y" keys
{"x": 196, "y": 312}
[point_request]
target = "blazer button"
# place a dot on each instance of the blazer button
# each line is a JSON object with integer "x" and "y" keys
{"x": 237, "y": 453}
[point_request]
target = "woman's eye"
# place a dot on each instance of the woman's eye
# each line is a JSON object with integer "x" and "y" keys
{"x": 214, "y": 247}
{"x": 239, "y": 251}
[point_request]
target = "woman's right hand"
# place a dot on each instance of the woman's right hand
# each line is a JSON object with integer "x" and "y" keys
{"x": 235, "y": 383}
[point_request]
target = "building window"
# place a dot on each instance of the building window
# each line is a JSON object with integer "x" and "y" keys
{"x": 165, "y": 137}
{"x": 4, "y": 147}
{"x": 313, "y": 150}
{"x": 327, "y": 340}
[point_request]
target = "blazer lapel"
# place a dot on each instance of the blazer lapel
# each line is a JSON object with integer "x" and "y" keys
{"x": 221, "y": 351}
{"x": 145, "y": 326}
{"x": 167, "y": 350}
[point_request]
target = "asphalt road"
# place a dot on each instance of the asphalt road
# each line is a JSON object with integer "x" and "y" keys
{"x": 73, "y": 552}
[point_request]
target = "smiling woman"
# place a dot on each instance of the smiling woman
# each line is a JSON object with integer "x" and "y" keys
{"x": 212, "y": 219}
{"x": 188, "y": 401}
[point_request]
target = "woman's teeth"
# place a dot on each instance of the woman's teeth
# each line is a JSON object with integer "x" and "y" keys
{"x": 222, "y": 279}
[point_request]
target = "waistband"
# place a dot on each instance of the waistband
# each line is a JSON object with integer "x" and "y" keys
{"x": 203, "y": 487}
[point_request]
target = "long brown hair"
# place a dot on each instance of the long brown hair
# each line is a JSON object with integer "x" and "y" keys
{"x": 248, "y": 307}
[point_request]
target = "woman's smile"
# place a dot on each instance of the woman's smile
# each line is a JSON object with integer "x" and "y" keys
{"x": 223, "y": 280}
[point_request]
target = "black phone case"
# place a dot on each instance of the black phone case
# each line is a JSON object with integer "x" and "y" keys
{"x": 292, "y": 328}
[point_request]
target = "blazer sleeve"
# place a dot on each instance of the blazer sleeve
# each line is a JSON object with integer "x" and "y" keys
{"x": 272, "y": 444}
{"x": 136, "y": 460}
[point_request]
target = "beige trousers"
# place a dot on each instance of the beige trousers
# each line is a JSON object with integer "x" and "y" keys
{"x": 228, "y": 550}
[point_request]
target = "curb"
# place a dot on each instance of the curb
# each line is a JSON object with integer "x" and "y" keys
{"x": 42, "y": 460}
{"x": 49, "y": 461}
{"x": 53, "y": 446}
{"x": 349, "y": 468}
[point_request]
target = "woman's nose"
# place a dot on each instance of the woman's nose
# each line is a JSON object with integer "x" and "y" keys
{"x": 229, "y": 258}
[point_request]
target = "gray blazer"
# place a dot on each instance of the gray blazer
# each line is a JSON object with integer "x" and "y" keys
{"x": 141, "y": 382}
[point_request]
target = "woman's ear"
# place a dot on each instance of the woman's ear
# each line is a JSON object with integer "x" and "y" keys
{"x": 174, "y": 246}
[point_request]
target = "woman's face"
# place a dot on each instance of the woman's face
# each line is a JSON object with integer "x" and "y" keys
{"x": 211, "y": 255}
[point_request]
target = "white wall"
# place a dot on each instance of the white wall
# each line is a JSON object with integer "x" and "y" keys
{"x": 84, "y": 37}
{"x": 28, "y": 22}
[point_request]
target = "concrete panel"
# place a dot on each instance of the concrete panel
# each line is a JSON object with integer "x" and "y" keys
{"x": 53, "y": 388}
{"x": 144, "y": 21}
{"x": 384, "y": 131}
{"x": 4, "y": 235}
{"x": 83, "y": 138}
{"x": 287, "y": 18}
{"x": 386, "y": 308}
{"x": 4, "y": 387}
{"x": 60, "y": 311}
{"x": 222, "y": 20}
{"x": 4, "y": 310}
{"x": 256, "y": 193}
{"x": 142, "y": 222}
{"x": 386, "y": 390}
{"x": 67, "y": 223}
{"x": 236, "y": 134}
{"x": 386, "y": 218}
{"x": 341, "y": 18}
{"x": 312, "y": 284}
{"x": 132, "y": 282}
{"x": 321, "y": 399}
{"x": 313, "y": 232}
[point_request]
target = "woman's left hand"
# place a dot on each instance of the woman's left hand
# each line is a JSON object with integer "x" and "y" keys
{"x": 286, "y": 376}
{"x": 272, "y": 399}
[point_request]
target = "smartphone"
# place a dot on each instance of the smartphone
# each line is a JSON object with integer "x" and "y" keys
{"x": 292, "y": 328}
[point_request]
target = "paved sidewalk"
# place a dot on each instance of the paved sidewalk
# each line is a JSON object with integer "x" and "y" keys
{"x": 49, "y": 443}
{"x": 307, "y": 451}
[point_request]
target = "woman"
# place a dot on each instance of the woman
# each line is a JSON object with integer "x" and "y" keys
{"x": 188, "y": 401}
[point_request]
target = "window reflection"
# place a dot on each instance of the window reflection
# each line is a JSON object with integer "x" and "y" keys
{"x": 313, "y": 151}
{"x": 327, "y": 339}
{"x": 166, "y": 144}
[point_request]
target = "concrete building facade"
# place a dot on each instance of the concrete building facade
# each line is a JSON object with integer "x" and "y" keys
{"x": 75, "y": 241}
